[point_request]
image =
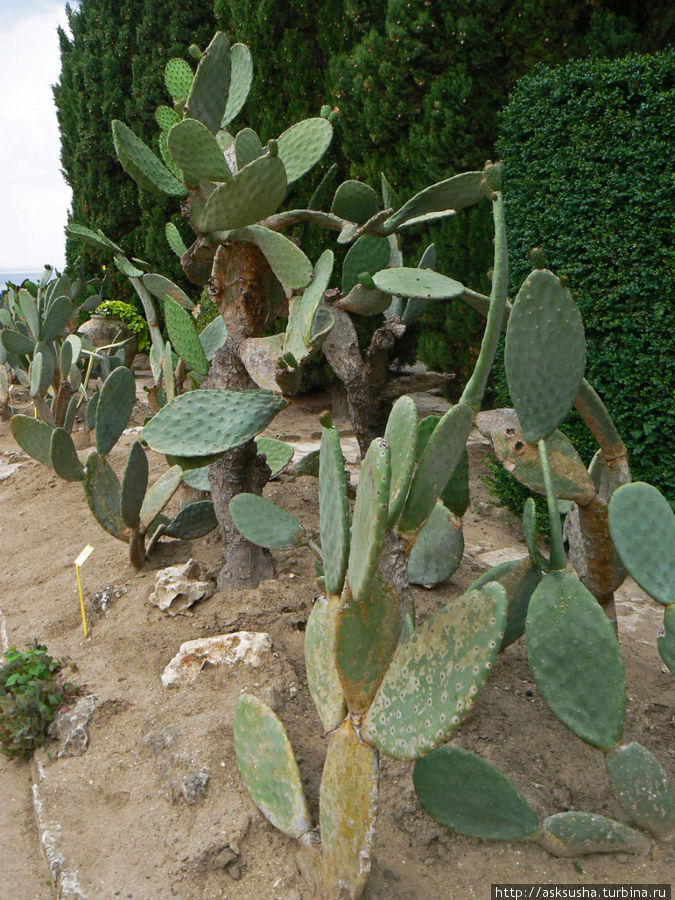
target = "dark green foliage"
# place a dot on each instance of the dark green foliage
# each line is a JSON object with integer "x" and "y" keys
{"x": 30, "y": 695}
{"x": 418, "y": 98}
{"x": 588, "y": 161}
{"x": 103, "y": 77}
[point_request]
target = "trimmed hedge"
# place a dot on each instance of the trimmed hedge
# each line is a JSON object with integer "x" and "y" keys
{"x": 589, "y": 177}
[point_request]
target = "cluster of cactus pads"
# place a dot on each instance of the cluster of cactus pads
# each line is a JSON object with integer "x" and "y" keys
{"x": 382, "y": 685}
{"x": 39, "y": 350}
{"x": 131, "y": 509}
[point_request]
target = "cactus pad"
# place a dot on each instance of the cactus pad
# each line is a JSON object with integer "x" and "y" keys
{"x": 438, "y": 461}
{"x": 264, "y": 523}
{"x": 415, "y": 307}
{"x": 140, "y": 162}
{"x": 466, "y": 793}
{"x": 286, "y": 259}
{"x": 247, "y": 147}
{"x": 163, "y": 287}
{"x": 364, "y": 302}
{"x": 134, "y": 485}
{"x": 438, "y": 549}
{"x": 213, "y": 337}
{"x": 570, "y": 645}
{"x": 401, "y": 435}
{"x": 159, "y": 494}
{"x": 29, "y": 312}
{"x": 115, "y": 402}
{"x": 64, "y": 456}
{"x": 196, "y": 151}
{"x": 183, "y": 336}
{"x": 268, "y": 767}
{"x": 15, "y": 342}
{"x": 643, "y": 789}
{"x": 571, "y": 481}
{"x": 456, "y": 494}
{"x": 348, "y": 801}
{"x": 255, "y": 192}
{"x": 166, "y": 117}
{"x": 333, "y": 510}
{"x": 424, "y": 284}
{"x": 174, "y": 239}
{"x": 366, "y": 637}
{"x": 277, "y": 454}
{"x": 368, "y": 254}
{"x": 544, "y": 374}
{"x": 369, "y": 519}
{"x": 302, "y": 145}
{"x": 193, "y": 521}
{"x": 102, "y": 490}
{"x": 439, "y": 200}
{"x": 210, "y": 85}
{"x": 642, "y": 526}
{"x": 578, "y": 833}
{"x": 302, "y": 310}
{"x": 355, "y": 201}
{"x": 178, "y": 78}
{"x": 519, "y": 578}
{"x": 323, "y": 679}
{"x": 56, "y": 318}
{"x": 435, "y": 675}
{"x": 241, "y": 76}
{"x": 201, "y": 423}
{"x": 33, "y": 436}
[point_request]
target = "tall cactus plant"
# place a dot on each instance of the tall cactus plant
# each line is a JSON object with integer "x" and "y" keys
{"x": 380, "y": 685}
{"x": 572, "y": 649}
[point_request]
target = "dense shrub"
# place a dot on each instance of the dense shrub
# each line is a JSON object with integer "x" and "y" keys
{"x": 588, "y": 153}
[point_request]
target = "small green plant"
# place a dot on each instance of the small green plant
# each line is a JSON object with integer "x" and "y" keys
{"x": 30, "y": 694}
{"x": 127, "y": 314}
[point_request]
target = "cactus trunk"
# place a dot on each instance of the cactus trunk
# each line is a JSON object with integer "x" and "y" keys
{"x": 238, "y": 287}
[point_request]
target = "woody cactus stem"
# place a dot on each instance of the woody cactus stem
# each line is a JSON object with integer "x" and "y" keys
{"x": 238, "y": 283}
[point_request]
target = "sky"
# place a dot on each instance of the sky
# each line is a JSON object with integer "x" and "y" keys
{"x": 35, "y": 196}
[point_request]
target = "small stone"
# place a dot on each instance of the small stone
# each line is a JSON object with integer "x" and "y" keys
{"x": 194, "y": 786}
{"x": 177, "y": 588}
{"x": 225, "y": 649}
{"x": 70, "y": 728}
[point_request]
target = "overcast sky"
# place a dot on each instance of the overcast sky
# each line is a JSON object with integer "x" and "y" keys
{"x": 35, "y": 197}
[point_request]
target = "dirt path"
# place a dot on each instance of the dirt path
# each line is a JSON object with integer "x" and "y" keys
{"x": 130, "y": 823}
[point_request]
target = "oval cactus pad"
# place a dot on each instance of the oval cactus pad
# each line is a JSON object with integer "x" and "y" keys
{"x": 268, "y": 768}
{"x": 264, "y": 523}
{"x": 435, "y": 675}
{"x": 302, "y": 145}
{"x": 643, "y": 789}
{"x": 545, "y": 354}
{"x": 333, "y": 510}
{"x": 578, "y": 833}
{"x": 323, "y": 679}
{"x": 571, "y": 645}
{"x": 256, "y": 191}
{"x": 642, "y": 526}
{"x": 666, "y": 640}
{"x": 348, "y": 801}
{"x": 401, "y": 435}
{"x": 369, "y": 519}
{"x": 438, "y": 549}
{"x": 466, "y": 793}
{"x": 201, "y": 423}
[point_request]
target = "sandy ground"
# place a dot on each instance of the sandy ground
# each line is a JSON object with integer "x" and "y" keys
{"x": 123, "y": 822}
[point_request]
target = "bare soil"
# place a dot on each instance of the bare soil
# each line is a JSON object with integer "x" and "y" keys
{"x": 125, "y": 824}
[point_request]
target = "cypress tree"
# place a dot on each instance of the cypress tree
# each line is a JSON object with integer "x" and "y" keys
{"x": 111, "y": 67}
